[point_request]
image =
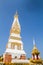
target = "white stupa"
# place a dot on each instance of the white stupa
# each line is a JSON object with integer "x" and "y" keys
{"x": 15, "y": 44}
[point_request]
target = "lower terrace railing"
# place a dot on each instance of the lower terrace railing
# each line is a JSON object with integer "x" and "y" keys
{"x": 18, "y": 64}
{"x": 14, "y": 64}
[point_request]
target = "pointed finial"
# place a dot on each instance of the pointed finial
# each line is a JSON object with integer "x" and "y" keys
{"x": 34, "y": 42}
{"x": 16, "y": 15}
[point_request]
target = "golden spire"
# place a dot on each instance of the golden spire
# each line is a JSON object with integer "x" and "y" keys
{"x": 16, "y": 25}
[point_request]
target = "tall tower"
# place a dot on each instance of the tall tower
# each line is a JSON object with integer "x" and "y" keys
{"x": 14, "y": 48}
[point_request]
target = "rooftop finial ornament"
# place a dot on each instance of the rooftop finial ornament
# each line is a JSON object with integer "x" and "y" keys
{"x": 34, "y": 42}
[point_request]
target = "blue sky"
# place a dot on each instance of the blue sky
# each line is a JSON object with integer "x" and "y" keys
{"x": 31, "y": 20}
